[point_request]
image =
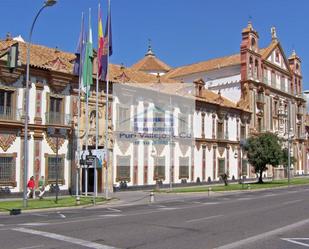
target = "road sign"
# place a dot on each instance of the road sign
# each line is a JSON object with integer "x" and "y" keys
{"x": 90, "y": 159}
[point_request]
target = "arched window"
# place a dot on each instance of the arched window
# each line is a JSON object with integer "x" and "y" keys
{"x": 277, "y": 57}
{"x": 253, "y": 44}
{"x": 256, "y": 69}
{"x": 250, "y": 67}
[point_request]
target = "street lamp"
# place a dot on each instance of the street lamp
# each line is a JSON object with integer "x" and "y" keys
{"x": 57, "y": 133}
{"x": 154, "y": 156}
{"x": 47, "y": 3}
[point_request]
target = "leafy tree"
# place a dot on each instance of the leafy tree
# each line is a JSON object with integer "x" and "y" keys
{"x": 285, "y": 158}
{"x": 263, "y": 150}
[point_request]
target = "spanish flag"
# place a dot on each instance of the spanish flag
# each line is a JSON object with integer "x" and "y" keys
{"x": 100, "y": 44}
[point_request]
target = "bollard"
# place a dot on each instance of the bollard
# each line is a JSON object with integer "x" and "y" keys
{"x": 249, "y": 187}
{"x": 151, "y": 197}
{"x": 77, "y": 200}
{"x": 209, "y": 189}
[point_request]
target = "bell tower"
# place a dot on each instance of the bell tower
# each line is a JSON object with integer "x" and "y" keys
{"x": 249, "y": 54}
{"x": 295, "y": 66}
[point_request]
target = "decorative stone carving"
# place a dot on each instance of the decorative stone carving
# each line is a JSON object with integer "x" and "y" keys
{"x": 123, "y": 146}
{"x": 53, "y": 143}
{"x": 221, "y": 150}
{"x": 6, "y": 140}
{"x": 183, "y": 148}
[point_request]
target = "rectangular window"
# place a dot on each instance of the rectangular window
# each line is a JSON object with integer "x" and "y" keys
{"x": 221, "y": 163}
{"x": 242, "y": 132}
{"x": 55, "y": 115}
{"x": 282, "y": 83}
{"x": 6, "y": 111}
{"x": 55, "y": 166}
{"x": 273, "y": 79}
{"x": 275, "y": 111}
{"x": 124, "y": 120}
{"x": 7, "y": 167}
{"x": 123, "y": 168}
{"x": 159, "y": 122}
{"x": 244, "y": 169}
{"x": 183, "y": 124}
{"x": 183, "y": 167}
{"x": 220, "y": 130}
{"x": 159, "y": 168}
{"x": 260, "y": 125}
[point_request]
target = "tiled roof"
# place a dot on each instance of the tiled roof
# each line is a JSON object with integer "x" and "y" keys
{"x": 151, "y": 63}
{"x": 129, "y": 75}
{"x": 56, "y": 60}
{"x": 204, "y": 66}
{"x": 41, "y": 56}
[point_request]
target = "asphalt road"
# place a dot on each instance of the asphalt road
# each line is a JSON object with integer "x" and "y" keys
{"x": 267, "y": 219}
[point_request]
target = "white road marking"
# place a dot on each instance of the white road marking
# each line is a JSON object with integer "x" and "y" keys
{"x": 114, "y": 210}
{"x": 33, "y": 224}
{"x": 294, "y": 241}
{"x": 30, "y": 247}
{"x": 111, "y": 215}
{"x": 61, "y": 215}
{"x": 291, "y": 202}
{"x": 168, "y": 208}
{"x": 68, "y": 239}
{"x": 210, "y": 203}
{"x": 1, "y": 225}
{"x": 265, "y": 235}
{"x": 40, "y": 215}
{"x": 205, "y": 218}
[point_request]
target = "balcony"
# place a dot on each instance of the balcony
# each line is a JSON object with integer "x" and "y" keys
{"x": 9, "y": 113}
{"x": 57, "y": 118}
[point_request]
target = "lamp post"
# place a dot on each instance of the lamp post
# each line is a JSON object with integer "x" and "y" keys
{"x": 57, "y": 133}
{"x": 154, "y": 156}
{"x": 289, "y": 140}
{"x": 47, "y": 3}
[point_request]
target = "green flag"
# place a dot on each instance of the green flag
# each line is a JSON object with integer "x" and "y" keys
{"x": 87, "y": 69}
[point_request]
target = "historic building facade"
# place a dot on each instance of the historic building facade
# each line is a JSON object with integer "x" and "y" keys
{"x": 262, "y": 80}
{"x": 237, "y": 96}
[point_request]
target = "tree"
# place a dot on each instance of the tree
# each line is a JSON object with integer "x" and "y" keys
{"x": 263, "y": 150}
{"x": 285, "y": 160}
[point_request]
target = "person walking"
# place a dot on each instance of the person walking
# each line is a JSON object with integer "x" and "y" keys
{"x": 31, "y": 185}
{"x": 41, "y": 187}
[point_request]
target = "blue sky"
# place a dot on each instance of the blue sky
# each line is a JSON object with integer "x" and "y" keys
{"x": 182, "y": 31}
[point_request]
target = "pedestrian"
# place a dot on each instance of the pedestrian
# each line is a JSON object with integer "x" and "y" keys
{"x": 31, "y": 185}
{"x": 41, "y": 187}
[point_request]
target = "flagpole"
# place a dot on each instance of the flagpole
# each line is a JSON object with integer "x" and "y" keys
{"x": 106, "y": 105}
{"x": 87, "y": 120}
{"x": 78, "y": 108}
{"x": 96, "y": 121}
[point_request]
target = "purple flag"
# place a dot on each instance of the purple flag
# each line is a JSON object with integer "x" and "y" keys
{"x": 80, "y": 51}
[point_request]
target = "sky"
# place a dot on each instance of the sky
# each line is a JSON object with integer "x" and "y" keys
{"x": 181, "y": 31}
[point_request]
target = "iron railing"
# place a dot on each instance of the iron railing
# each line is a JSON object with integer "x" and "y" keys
{"x": 57, "y": 118}
{"x": 9, "y": 113}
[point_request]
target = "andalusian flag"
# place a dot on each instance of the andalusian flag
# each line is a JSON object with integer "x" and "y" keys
{"x": 87, "y": 69}
{"x": 100, "y": 45}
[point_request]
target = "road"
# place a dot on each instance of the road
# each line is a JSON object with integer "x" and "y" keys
{"x": 277, "y": 218}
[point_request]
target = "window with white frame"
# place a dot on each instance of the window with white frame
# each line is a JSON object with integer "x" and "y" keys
{"x": 159, "y": 121}
{"x": 55, "y": 166}
{"x": 183, "y": 124}
{"x": 123, "y": 118}
{"x": 183, "y": 167}
{"x": 123, "y": 168}
{"x": 7, "y": 169}
{"x": 159, "y": 168}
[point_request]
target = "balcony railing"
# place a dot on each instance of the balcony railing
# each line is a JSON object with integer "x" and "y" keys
{"x": 57, "y": 118}
{"x": 9, "y": 113}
